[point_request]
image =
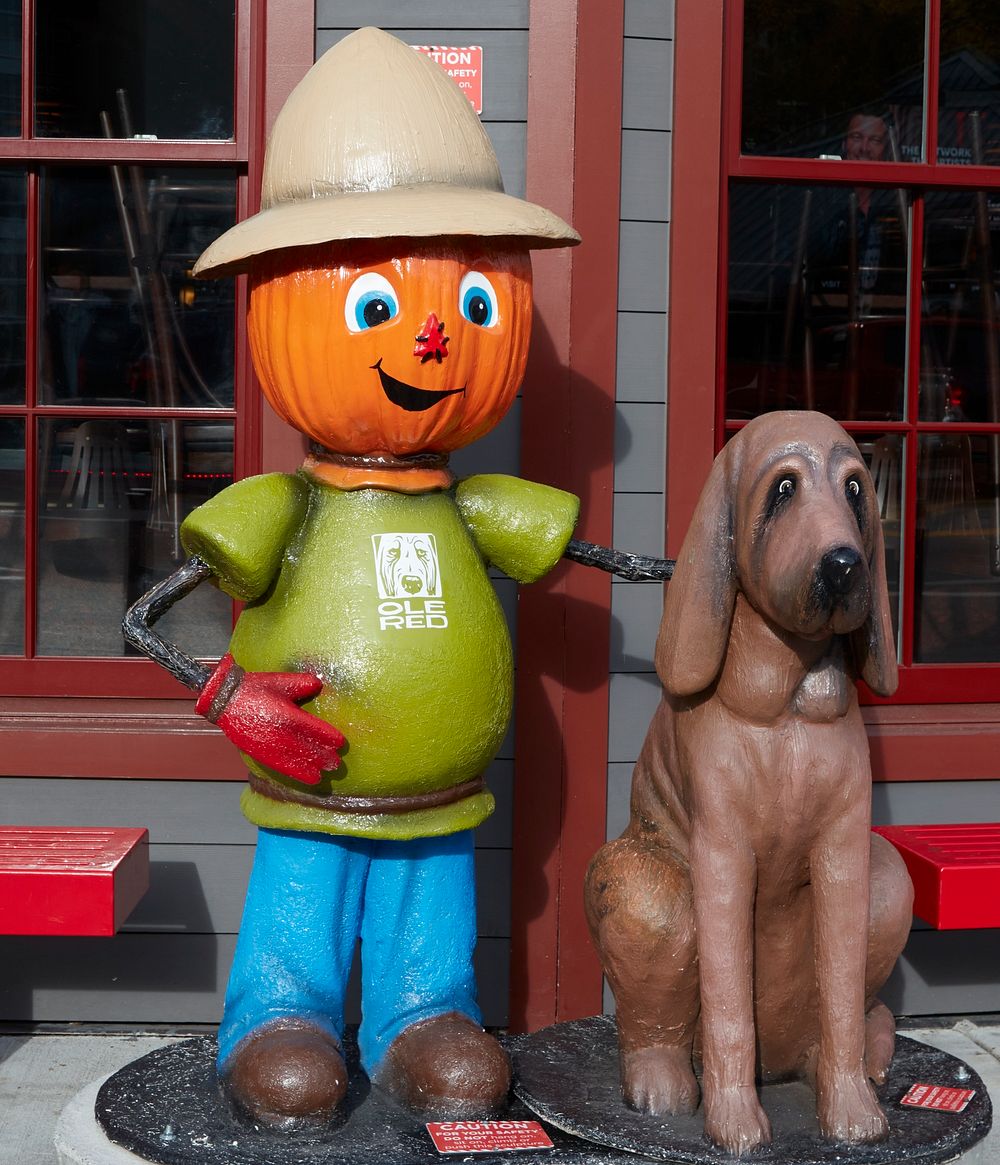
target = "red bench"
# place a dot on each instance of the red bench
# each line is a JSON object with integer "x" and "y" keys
{"x": 70, "y": 881}
{"x": 955, "y": 871}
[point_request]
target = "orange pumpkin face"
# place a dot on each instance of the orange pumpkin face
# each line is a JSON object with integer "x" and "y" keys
{"x": 391, "y": 346}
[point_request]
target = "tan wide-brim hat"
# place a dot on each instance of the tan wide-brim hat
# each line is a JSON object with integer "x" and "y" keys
{"x": 376, "y": 141}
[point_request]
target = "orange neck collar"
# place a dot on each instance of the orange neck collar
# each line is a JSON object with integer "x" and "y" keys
{"x": 419, "y": 473}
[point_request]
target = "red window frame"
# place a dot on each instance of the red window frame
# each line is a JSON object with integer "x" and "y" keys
{"x": 32, "y": 675}
{"x": 941, "y": 683}
{"x": 127, "y": 717}
{"x": 920, "y": 734}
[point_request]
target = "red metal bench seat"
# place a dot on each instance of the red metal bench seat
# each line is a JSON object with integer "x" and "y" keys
{"x": 70, "y": 881}
{"x": 955, "y": 871}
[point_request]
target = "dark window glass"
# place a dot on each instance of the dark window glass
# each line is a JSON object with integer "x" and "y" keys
{"x": 112, "y": 496}
{"x": 122, "y": 321}
{"x": 959, "y": 353}
{"x": 156, "y": 68}
{"x": 12, "y": 293}
{"x": 10, "y": 68}
{"x": 969, "y": 98}
{"x": 817, "y": 301}
{"x": 843, "y": 79}
{"x": 11, "y": 536}
{"x": 958, "y": 531}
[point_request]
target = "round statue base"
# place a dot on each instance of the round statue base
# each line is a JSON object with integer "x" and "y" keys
{"x": 568, "y": 1076}
{"x": 167, "y": 1107}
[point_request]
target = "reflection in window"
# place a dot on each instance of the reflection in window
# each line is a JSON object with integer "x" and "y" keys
{"x": 809, "y": 69}
{"x": 10, "y": 68}
{"x": 959, "y": 350}
{"x": 958, "y": 532}
{"x": 11, "y": 536}
{"x": 112, "y": 494}
{"x": 12, "y": 290}
{"x": 883, "y": 454}
{"x": 969, "y": 101}
{"x": 122, "y": 321}
{"x": 156, "y": 68}
{"x": 817, "y": 301}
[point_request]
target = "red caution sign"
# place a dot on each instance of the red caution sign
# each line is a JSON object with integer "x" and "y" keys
{"x": 938, "y": 1097}
{"x": 487, "y": 1136}
{"x": 463, "y": 65}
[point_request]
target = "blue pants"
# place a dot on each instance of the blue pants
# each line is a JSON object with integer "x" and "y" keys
{"x": 312, "y": 895}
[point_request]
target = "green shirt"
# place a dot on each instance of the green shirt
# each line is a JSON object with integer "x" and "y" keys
{"x": 386, "y": 598}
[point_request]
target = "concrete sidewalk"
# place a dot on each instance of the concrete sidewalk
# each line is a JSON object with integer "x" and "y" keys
{"x": 40, "y": 1074}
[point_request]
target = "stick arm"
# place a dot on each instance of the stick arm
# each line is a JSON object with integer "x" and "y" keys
{"x": 137, "y": 626}
{"x": 634, "y": 567}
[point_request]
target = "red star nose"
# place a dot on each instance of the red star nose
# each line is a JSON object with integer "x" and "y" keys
{"x": 432, "y": 343}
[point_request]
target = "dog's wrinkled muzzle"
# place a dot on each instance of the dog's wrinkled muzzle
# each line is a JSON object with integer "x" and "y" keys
{"x": 840, "y": 594}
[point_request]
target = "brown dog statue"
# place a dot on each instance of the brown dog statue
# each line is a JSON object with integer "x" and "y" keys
{"x": 747, "y": 916}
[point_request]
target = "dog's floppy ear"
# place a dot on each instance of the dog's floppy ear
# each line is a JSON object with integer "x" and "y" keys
{"x": 694, "y": 630}
{"x": 873, "y": 643}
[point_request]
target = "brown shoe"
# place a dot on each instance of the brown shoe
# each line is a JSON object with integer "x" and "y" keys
{"x": 285, "y": 1073}
{"x": 447, "y": 1067}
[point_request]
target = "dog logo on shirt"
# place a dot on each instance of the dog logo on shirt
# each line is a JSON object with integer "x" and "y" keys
{"x": 408, "y": 575}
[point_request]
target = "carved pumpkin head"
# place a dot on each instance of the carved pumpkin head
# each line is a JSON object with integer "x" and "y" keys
{"x": 391, "y": 346}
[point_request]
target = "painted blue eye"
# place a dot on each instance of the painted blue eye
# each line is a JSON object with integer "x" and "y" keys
{"x": 477, "y": 300}
{"x": 370, "y": 301}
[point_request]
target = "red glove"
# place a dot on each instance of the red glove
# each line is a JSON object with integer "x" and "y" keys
{"x": 260, "y": 713}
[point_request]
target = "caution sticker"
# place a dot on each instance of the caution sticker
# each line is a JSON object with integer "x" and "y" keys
{"x": 487, "y": 1136}
{"x": 938, "y": 1097}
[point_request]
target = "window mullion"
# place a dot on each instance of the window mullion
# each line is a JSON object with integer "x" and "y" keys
{"x": 932, "y": 79}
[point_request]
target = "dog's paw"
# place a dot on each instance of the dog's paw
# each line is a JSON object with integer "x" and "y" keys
{"x": 735, "y": 1120}
{"x": 848, "y": 1111}
{"x": 659, "y": 1081}
{"x": 880, "y": 1042}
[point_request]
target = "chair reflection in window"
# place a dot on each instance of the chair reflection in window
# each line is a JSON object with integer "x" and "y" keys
{"x": 138, "y": 334}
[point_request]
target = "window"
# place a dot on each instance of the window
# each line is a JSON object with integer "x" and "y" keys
{"x": 860, "y": 267}
{"x": 128, "y": 140}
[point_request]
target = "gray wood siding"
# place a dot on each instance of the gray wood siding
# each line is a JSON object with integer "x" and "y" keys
{"x": 170, "y": 962}
{"x": 641, "y": 385}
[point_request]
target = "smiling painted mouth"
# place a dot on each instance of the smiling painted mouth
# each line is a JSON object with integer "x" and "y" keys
{"x": 413, "y": 400}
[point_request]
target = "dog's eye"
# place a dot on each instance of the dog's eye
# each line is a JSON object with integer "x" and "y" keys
{"x": 781, "y": 492}
{"x": 853, "y": 487}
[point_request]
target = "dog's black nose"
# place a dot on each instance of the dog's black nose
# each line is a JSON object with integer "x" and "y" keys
{"x": 839, "y": 570}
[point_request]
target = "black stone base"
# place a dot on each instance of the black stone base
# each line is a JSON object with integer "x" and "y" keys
{"x": 568, "y": 1075}
{"x": 167, "y": 1108}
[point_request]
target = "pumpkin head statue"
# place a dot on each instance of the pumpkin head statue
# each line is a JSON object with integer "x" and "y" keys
{"x": 390, "y": 283}
{"x": 389, "y": 313}
{"x": 371, "y": 350}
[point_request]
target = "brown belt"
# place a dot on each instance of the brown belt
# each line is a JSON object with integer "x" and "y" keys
{"x": 410, "y": 804}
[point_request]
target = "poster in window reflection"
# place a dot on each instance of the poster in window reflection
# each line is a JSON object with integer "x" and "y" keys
{"x": 112, "y": 495}
{"x": 969, "y": 84}
{"x": 123, "y": 322}
{"x": 810, "y": 70}
{"x": 817, "y": 301}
